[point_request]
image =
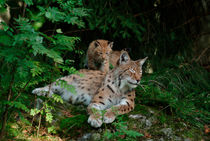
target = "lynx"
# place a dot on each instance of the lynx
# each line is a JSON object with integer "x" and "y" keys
{"x": 112, "y": 91}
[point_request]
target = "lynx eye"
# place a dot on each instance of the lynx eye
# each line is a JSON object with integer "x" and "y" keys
{"x": 132, "y": 70}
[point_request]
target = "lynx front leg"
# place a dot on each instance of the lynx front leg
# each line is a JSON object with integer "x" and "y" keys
{"x": 126, "y": 105}
{"x": 95, "y": 118}
{"x": 91, "y": 64}
{"x": 105, "y": 66}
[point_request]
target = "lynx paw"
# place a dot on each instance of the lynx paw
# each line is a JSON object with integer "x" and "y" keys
{"x": 95, "y": 121}
{"x": 40, "y": 91}
{"x": 109, "y": 117}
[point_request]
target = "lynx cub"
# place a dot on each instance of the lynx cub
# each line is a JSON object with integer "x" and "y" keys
{"x": 98, "y": 55}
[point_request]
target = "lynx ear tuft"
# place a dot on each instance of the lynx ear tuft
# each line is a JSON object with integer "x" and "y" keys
{"x": 96, "y": 44}
{"x": 143, "y": 60}
{"x": 127, "y": 49}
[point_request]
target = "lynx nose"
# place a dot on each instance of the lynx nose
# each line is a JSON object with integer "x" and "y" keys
{"x": 103, "y": 56}
{"x": 138, "y": 81}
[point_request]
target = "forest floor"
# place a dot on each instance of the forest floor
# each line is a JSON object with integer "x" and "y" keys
{"x": 169, "y": 106}
{"x": 152, "y": 123}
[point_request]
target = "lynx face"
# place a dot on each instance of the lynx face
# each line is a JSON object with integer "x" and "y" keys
{"x": 102, "y": 49}
{"x": 98, "y": 55}
{"x": 132, "y": 75}
{"x": 130, "y": 72}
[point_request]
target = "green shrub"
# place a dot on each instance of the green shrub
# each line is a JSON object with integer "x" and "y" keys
{"x": 29, "y": 57}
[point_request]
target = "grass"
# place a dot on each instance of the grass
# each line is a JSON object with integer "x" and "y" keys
{"x": 182, "y": 92}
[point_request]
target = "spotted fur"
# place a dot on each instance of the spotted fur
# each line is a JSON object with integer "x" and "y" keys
{"x": 116, "y": 94}
{"x": 115, "y": 57}
{"x": 85, "y": 84}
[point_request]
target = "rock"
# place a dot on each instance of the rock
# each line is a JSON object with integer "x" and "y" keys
{"x": 167, "y": 132}
{"x": 137, "y": 116}
{"x": 187, "y": 139}
{"x": 184, "y": 124}
{"x": 162, "y": 139}
{"x": 152, "y": 119}
{"x": 100, "y": 130}
{"x": 95, "y": 137}
{"x": 176, "y": 138}
{"x": 90, "y": 137}
{"x": 148, "y": 123}
{"x": 151, "y": 111}
{"x": 85, "y": 137}
{"x": 144, "y": 122}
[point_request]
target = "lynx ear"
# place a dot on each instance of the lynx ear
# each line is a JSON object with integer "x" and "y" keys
{"x": 141, "y": 61}
{"x": 127, "y": 49}
{"x": 124, "y": 58}
{"x": 110, "y": 44}
{"x": 96, "y": 44}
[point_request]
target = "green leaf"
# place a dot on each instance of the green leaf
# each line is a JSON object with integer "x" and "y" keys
{"x": 54, "y": 14}
{"x": 59, "y": 30}
{"x": 57, "y": 98}
{"x": 49, "y": 117}
{"x": 28, "y": 2}
{"x": 51, "y": 129}
{"x": 133, "y": 133}
{"x": 66, "y": 86}
{"x": 36, "y": 69}
{"x": 2, "y": 2}
{"x": 4, "y": 26}
{"x": 34, "y": 112}
{"x": 16, "y": 104}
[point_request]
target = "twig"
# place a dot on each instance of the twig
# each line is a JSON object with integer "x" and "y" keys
{"x": 202, "y": 53}
{"x": 197, "y": 36}
{"x": 142, "y": 88}
{"x": 161, "y": 110}
{"x": 77, "y": 31}
{"x": 82, "y": 30}
{"x": 34, "y": 108}
{"x": 158, "y": 83}
{"x": 155, "y": 114}
{"x": 189, "y": 21}
{"x": 40, "y": 117}
{"x": 21, "y": 90}
{"x": 24, "y": 9}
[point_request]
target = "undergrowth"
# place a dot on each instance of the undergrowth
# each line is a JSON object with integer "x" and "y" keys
{"x": 182, "y": 91}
